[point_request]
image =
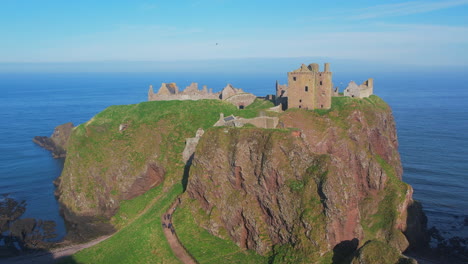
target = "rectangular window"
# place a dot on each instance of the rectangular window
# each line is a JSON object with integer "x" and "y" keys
{"x": 307, "y": 88}
{"x": 294, "y": 78}
{"x": 320, "y": 82}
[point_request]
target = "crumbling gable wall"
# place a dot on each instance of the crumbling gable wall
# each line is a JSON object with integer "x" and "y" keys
{"x": 364, "y": 90}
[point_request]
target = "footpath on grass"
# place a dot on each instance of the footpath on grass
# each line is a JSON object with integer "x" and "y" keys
{"x": 171, "y": 235}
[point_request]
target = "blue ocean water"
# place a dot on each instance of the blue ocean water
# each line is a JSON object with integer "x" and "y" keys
{"x": 429, "y": 108}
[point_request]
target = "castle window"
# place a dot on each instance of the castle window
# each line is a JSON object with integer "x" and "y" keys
{"x": 294, "y": 78}
{"x": 320, "y": 82}
{"x": 300, "y": 101}
{"x": 321, "y": 106}
{"x": 307, "y": 88}
{"x": 300, "y": 106}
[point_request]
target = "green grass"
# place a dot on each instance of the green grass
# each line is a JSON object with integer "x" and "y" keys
{"x": 207, "y": 248}
{"x": 142, "y": 241}
{"x": 129, "y": 209}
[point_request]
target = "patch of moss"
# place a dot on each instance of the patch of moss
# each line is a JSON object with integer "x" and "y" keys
{"x": 378, "y": 252}
{"x": 381, "y": 225}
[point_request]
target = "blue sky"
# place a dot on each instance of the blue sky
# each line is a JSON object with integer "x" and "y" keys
{"x": 399, "y": 32}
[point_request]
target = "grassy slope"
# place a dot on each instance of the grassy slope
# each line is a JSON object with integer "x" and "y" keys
{"x": 206, "y": 248}
{"x": 142, "y": 241}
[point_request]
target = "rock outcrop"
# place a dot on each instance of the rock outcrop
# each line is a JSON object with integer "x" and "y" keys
{"x": 333, "y": 178}
{"x": 57, "y": 142}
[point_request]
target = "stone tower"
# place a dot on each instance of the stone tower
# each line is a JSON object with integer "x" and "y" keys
{"x": 309, "y": 88}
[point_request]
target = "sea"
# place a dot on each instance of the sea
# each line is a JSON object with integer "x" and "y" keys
{"x": 430, "y": 109}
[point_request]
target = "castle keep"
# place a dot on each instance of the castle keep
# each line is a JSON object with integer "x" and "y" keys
{"x": 307, "y": 88}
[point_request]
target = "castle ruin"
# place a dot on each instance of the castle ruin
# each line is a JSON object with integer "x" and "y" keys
{"x": 366, "y": 89}
{"x": 307, "y": 88}
{"x": 170, "y": 91}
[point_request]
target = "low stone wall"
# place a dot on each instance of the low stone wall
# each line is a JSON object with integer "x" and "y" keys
{"x": 261, "y": 122}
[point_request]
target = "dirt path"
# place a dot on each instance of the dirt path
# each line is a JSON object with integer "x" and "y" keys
{"x": 171, "y": 236}
{"x": 55, "y": 254}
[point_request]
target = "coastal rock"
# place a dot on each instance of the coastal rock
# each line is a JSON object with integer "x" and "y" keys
{"x": 335, "y": 177}
{"x": 57, "y": 142}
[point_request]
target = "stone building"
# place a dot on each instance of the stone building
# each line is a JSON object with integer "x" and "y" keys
{"x": 170, "y": 91}
{"x": 307, "y": 88}
{"x": 366, "y": 89}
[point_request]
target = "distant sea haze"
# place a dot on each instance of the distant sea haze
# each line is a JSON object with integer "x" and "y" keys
{"x": 430, "y": 111}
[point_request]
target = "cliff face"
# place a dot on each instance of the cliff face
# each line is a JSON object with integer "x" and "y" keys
{"x": 334, "y": 178}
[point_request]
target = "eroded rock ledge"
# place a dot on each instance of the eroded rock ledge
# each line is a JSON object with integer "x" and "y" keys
{"x": 57, "y": 143}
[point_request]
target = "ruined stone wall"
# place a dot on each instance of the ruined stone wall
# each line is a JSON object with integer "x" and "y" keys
{"x": 241, "y": 100}
{"x": 364, "y": 90}
{"x": 281, "y": 90}
{"x": 182, "y": 97}
{"x": 324, "y": 86}
{"x": 230, "y": 94}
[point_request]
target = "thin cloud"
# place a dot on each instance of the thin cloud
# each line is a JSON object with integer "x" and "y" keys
{"x": 392, "y": 10}
{"x": 404, "y": 9}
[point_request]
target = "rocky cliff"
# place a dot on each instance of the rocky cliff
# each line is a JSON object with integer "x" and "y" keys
{"x": 124, "y": 151}
{"x": 57, "y": 143}
{"x": 326, "y": 181}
